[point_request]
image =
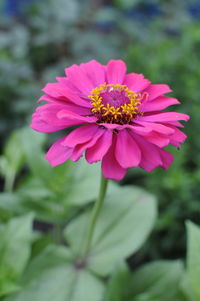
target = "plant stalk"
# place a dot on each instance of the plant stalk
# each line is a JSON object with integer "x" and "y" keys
{"x": 95, "y": 213}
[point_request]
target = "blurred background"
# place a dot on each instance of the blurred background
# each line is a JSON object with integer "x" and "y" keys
{"x": 38, "y": 39}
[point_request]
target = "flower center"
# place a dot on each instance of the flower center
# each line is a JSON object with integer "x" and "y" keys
{"x": 115, "y": 103}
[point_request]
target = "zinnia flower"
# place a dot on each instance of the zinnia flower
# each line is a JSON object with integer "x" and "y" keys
{"x": 120, "y": 118}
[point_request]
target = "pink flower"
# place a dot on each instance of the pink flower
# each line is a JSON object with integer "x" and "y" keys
{"x": 120, "y": 117}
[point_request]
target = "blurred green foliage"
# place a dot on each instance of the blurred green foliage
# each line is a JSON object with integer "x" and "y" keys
{"x": 34, "y": 50}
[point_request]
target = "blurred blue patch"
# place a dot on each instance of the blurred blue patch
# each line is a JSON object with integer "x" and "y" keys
{"x": 194, "y": 9}
{"x": 16, "y": 7}
{"x": 143, "y": 11}
{"x": 106, "y": 18}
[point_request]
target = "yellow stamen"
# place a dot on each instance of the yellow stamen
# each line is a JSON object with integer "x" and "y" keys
{"x": 125, "y": 111}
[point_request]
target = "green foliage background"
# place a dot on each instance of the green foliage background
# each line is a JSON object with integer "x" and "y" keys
{"x": 34, "y": 49}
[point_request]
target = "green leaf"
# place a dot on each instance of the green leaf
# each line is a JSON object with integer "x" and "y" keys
{"x": 15, "y": 247}
{"x": 10, "y": 202}
{"x": 157, "y": 281}
{"x": 193, "y": 257}
{"x": 32, "y": 143}
{"x": 118, "y": 288}
{"x": 123, "y": 226}
{"x": 13, "y": 151}
{"x": 84, "y": 183}
{"x": 47, "y": 205}
{"x": 51, "y": 276}
{"x": 186, "y": 291}
{"x": 161, "y": 280}
{"x": 63, "y": 179}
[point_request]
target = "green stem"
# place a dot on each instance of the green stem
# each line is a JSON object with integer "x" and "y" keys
{"x": 95, "y": 213}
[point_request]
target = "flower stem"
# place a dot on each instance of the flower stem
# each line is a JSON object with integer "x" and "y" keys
{"x": 95, "y": 213}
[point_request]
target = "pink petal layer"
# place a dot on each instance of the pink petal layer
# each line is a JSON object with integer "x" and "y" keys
{"x": 158, "y": 104}
{"x": 58, "y": 154}
{"x": 158, "y": 139}
{"x": 62, "y": 92}
{"x": 158, "y": 127}
{"x": 177, "y": 137}
{"x": 94, "y": 71}
{"x": 115, "y": 72}
{"x": 166, "y": 158}
{"x": 136, "y": 82}
{"x": 80, "y": 148}
{"x": 157, "y": 90}
{"x": 80, "y": 135}
{"x": 69, "y": 84}
{"x": 41, "y": 126}
{"x": 136, "y": 128}
{"x": 127, "y": 151}
{"x": 45, "y": 119}
{"x": 149, "y": 159}
{"x": 163, "y": 117}
{"x": 78, "y": 77}
{"x": 68, "y": 105}
{"x": 110, "y": 167}
{"x": 54, "y": 117}
{"x": 100, "y": 148}
{"x": 70, "y": 117}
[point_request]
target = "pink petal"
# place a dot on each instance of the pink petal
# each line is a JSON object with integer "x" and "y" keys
{"x": 136, "y": 128}
{"x": 69, "y": 84}
{"x": 51, "y": 99}
{"x": 63, "y": 93}
{"x": 163, "y": 117}
{"x": 158, "y": 139}
{"x": 57, "y": 154}
{"x": 110, "y": 167}
{"x": 80, "y": 148}
{"x": 127, "y": 151}
{"x": 115, "y": 71}
{"x": 80, "y": 135}
{"x": 45, "y": 119}
{"x": 157, "y": 90}
{"x": 71, "y": 106}
{"x": 94, "y": 71}
{"x": 41, "y": 126}
{"x": 136, "y": 82}
{"x": 79, "y": 78}
{"x": 54, "y": 117}
{"x": 150, "y": 156}
{"x": 100, "y": 148}
{"x": 166, "y": 158}
{"x": 177, "y": 137}
{"x": 159, "y": 103}
{"x": 70, "y": 117}
{"x": 158, "y": 127}
{"x": 175, "y": 123}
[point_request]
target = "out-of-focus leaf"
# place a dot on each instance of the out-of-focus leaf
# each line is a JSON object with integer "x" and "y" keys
{"x": 126, "y": 220}
{"x": 32, "y": 142}
{"x": 47, "y": 205}
{"x": 84, "y": 183}
{"x": 157, "y": 281}
{"x": 15, "y": 247}
{"x": 51, "y": 276}
{"x": 14, "y": 152}
{"x": 193, "y": 257}
{"x": 118, "y": 288}
{"x": 11, "y": 202}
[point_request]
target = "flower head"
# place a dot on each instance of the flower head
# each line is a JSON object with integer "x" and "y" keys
{"x": 119, "y": 115}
